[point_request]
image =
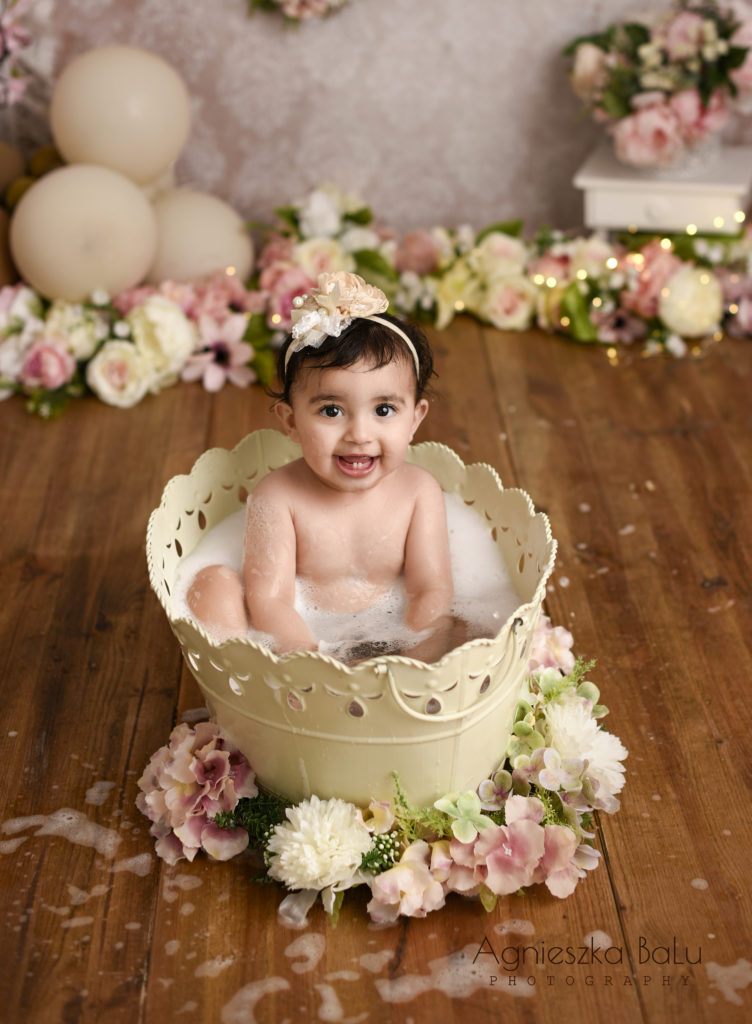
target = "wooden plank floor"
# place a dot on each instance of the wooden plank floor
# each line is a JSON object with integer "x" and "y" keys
{"x": 645, "y": 471}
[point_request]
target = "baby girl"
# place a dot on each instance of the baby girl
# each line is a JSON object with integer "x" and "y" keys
{"x": 350, "y": 518}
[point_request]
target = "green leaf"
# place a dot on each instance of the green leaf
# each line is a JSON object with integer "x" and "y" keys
{"x": 614, "y": 104}
{"x": 597, "y": 39}
{"x": 289, "y": 215}
{"x": 488, "y": 899}
{"x": 371, "y": 265}
{"x": 574, "y": 306}
{"x": 504, "y": 227}
{"x": 336, "y": 907}
{"x": 264, "y": 365}
{"x": 362, "y": 216}
{"x": 257, "y": 331}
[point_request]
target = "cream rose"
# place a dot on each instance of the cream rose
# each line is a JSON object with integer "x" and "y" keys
{"x": 82, "y": 329}
{"x": 321, "y": 256}
{"x": 457, "y": 290}
{"x": 590, "y": 255}
{"x": 119, "y": 374}
{"x": 508, "y": 302}
{"x": 691, "y": 303}
{"x": 164, "y": 337}
{"x": 589, "y": 72}
{"x": 497, "y": 255}
{"x": 356, "y": 298}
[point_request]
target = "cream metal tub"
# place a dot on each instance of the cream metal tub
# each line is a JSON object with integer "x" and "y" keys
{"x": 309, "y": 724}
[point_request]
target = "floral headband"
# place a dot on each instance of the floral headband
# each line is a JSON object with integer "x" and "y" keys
{"x": 339, "y": 299}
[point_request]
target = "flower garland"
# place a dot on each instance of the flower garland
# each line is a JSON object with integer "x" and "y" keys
{"x": 666, "y": 83}
{"x": 669, "y": 293}
{"x": 529, "y": 824}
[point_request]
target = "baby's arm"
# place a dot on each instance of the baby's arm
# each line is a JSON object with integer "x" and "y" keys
{"x": 269, "y": 564}
{"x": 428, "y": 573}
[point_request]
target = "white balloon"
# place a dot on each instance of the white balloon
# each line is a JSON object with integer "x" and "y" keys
{"x": 121, "y": 107}
{"x": 81, "y": 228}
{"x": 198, "y": 234}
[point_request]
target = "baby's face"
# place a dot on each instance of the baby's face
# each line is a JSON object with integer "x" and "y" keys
{"x": 354, "y": 423}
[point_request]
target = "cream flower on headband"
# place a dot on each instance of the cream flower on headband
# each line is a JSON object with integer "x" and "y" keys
{"x": 341, "y": 297}
{"x": 338, "y": 300}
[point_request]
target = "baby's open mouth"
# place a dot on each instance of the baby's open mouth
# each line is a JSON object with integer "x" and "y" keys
{"x": 356, "y": 465}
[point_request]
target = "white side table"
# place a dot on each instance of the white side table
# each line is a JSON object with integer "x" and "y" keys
{"x": 712, "y": 199}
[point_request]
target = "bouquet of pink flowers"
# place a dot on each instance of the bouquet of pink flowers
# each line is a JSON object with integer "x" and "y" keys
{"x": 665, "y": 85}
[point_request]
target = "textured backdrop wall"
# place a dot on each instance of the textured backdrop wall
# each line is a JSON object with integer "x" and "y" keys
{"x": 434, "y": 111}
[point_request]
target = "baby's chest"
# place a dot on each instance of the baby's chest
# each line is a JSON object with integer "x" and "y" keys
{"x": 358, "y": 545}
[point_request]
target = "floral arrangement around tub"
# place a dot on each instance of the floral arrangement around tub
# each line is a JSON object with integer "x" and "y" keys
{"x": 667, "y": 293}
{"x": 530, "y": 823}
{"x": 667, "y": 82}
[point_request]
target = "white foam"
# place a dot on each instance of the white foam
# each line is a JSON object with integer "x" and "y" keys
{"x": 484, "y": 596}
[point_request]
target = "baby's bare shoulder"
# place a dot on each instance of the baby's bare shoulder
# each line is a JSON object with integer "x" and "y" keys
{"x": 277, "y": 486}
{"x": 421, "y": 482}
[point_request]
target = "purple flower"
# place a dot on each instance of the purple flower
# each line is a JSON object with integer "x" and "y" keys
{"x": 225, "y": 356}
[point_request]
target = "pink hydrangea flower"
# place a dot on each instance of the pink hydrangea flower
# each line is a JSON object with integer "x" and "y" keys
{"x": 551, "y": 647}
{"x": 418, "y": 251}
{"x": 409, "y": 888}
{"x": 227, "y": 355}
{"x": 47, "y": 364}
{"x": 556, "y": 867}
{"x": 186, "y": 784}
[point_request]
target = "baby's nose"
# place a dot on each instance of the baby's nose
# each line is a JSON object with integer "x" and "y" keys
{"x": 359, "y": 429}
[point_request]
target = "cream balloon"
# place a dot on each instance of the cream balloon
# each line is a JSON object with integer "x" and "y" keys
{"x": 198, "y": 234}
{"x": 81, "y": 228}
{"x": 121, "y": 107}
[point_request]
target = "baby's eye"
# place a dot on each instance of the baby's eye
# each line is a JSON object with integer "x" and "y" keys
{"x": 385, "y": 409}
{"x": 330, "y": 411}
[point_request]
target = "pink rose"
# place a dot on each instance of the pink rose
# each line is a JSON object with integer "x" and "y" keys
{"x": 282, "y": 283}
{"x": 683, "y": 36}
{"x": 418, "y": 251}
{"x": 278, "y": 249}
{"x": 132, "y": 297}
{"x": 47, "y": 365}
{"x": 651, "y": 137}
{"x": 643, "y": 293}
{"x": 551, "y": 266}
{"x": 697, "y": 121}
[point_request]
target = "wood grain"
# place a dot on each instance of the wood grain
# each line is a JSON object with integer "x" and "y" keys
{"x": 644, "y": 469}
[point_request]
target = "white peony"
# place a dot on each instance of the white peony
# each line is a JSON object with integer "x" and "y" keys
{"x": 319, "y": 215}
{"x": 508, "y": 302}
{"x": 321, "y": 844}
{"x": 691, "y": 304}
{"x": 119, "y": 374}
{"x": 590, "y": 254}
{"x": 575, "y": 734}
{"x": 81, "y": 328}
{"x": 164, "y": 337}
{"x": 498, "y": 255}
{"x": 356, "y": 238}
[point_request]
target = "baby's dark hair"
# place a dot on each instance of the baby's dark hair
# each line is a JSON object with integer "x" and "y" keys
{"x": 362, "y": 339}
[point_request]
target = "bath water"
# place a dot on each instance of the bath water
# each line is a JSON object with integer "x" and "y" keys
{"x": 484, "y": 596}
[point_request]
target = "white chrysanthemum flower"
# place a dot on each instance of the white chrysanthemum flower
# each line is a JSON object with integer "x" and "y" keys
{"x": 575, "y": 734}
{"x": 322, "y": 843}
